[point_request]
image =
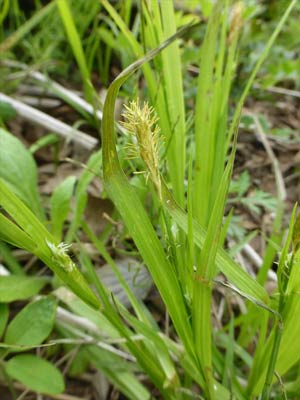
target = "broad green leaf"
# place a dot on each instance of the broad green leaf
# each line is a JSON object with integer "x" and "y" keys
{"x": 33, "y": 324}
{"x": 15, "y": 287}
{"x": 4, "y": 312}
{"x": 60, "y": 205}
{"x": 7, "y": 112}
{"x": 37, "y": 374}
{"x": 18, "y": 170}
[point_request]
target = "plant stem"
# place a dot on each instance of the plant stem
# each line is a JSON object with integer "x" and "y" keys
{"x": 277, "y": 334}
{"x": 274, "y": 353}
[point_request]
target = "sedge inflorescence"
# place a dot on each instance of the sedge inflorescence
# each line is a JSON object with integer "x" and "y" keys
{"x": 60, "y": 256}
{"x": 142, "y": 123}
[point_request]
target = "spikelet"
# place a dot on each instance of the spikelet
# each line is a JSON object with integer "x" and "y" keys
{"x": 142, "y": 123}
{"x": 60, "y": 256}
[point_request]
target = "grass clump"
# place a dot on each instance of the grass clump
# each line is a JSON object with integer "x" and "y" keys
{"x": 177, "y": 229}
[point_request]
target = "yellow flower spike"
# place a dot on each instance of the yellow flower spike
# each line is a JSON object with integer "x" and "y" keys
{"x": 141, "y": 122}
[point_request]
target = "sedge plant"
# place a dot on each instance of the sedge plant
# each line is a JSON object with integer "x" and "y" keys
{"x": 188, "y": 362}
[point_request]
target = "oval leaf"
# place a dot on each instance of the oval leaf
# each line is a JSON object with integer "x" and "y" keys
{"x": 18, "y": 170}
{"x": 19, "y": 287}
{"x": 37, "y": 374}
{"x": 33, "y": 324}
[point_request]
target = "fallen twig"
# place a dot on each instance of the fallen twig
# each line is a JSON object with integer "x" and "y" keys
{"x": 50, "y": 123}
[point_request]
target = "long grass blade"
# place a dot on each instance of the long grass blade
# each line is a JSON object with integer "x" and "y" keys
{"x": 13, "y": 39}
{"x": 76, "y": 45}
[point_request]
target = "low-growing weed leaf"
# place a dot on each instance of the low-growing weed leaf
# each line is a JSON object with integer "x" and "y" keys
{"x": 7, "y": 112}
{"x": 258, "y": 199}
{"x": 18, "y": 170}
{"x": 16, "y": 287}
{"x": 241, "y": 185}
{"x": 37, "y": 374}
{"x": 33, "y": 324}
